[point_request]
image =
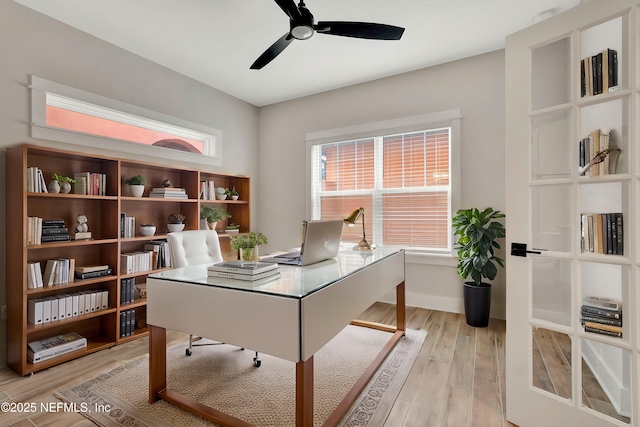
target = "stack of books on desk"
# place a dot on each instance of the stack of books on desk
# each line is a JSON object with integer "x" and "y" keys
{"x": 242, "y": 270}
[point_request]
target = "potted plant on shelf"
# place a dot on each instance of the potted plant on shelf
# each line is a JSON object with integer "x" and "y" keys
{"x": 60, "y": 184}
{"x": 136, "y": 185}
{"x": 209, "y": 215}
{"x": 147, "y": 229}
{"x": 248, "y": 244}
{"x": 176, "y": 222}
{"x": 233, "y": 193}
{"x": 221, "y": 193}
{"x": 232, "y": 229}
{"x": 477, "y": 233}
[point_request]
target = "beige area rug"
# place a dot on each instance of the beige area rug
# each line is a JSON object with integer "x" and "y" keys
{"x": 223, "y": 377}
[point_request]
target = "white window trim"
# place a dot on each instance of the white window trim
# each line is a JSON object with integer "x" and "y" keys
{"x": 448, "y": 118}
{"x": 96, "y": 105}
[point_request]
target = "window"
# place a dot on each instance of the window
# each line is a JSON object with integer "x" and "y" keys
{"x": 401, "y": 176}
{"x": 66, "y": 114}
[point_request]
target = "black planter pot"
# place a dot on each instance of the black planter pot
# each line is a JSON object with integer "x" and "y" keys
{"x": 477, "y": 304}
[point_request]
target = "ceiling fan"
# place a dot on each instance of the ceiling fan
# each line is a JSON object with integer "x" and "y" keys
{"x": 303, "y": 27}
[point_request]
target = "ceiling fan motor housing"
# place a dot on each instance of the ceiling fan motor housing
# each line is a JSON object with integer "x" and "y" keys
{"x": 302, "y": 26}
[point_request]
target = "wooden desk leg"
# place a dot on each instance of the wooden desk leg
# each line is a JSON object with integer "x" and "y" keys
{"x": 401, "y": 309}
{"x": 157, "y": 362}
{"x": 304, "y": 393}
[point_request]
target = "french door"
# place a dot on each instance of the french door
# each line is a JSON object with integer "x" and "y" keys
{"x": 573, "y": 192}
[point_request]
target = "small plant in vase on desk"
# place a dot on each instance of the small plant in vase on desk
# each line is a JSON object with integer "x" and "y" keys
{"x": 248, "y": 245}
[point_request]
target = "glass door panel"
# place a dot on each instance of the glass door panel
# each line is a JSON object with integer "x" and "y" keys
{"x": 551, "y": 290}
{"x": 551, "y": 154}
{"x": 552, "y": 217}
{"x": 552, "y": 371}
{"x": 606, "y": 379}
{"x": 550, "y": 74}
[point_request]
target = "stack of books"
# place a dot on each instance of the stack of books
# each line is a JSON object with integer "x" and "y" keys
{"x": 242, "y": 270}
{"x": 599, "y": 73}
{"x": 38, "y": 351}
{"x": 168, "y": 193}
{"x": 207, "y": 190}
{"x": 602, "y": 316}
{"x": 602, "y": 233}
{"x": 54, "y": 230}
{"x": 35, "y": 180}
{"x": 127, "y": 322}
{"x": 90, "y": 271}
{"x": 90, "y": 183}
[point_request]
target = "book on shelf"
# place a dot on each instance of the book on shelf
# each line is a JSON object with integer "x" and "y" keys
{"x": 91, "y": 268}
{"x": 35, "y": 180}
{"x": 34, "y": 275}
{"x": 243, "y": 267}
{"x": 587, "y": 311}
{"x": 127, "y": 322}
{"x": 602, "y": 303}
{"x": 159, "y": 253}
{"x": 207, "y": 190}
{"x": 244, "y": 277}
{"x": 41, "y": 350}
{"x": 603, "y": 332}
{"x": 588, "y": 317}
{"x": 90, "y": 183}
{"x": 93, "y": 274}
{"x": 599, "y": 73}
{"x": 127, "y": 226}
{"x": 168, "y": 193}
{"x": 602, "y": 233}
{"x": 58, "y": 271}
{"x": 603, "y": 326}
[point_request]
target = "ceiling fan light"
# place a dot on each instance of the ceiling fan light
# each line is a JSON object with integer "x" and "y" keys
{"x": 302, "y": 32}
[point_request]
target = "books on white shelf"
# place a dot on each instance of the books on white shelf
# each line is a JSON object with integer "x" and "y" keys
{"x": 242, "y": 270}
{"x": 41, "y": 350}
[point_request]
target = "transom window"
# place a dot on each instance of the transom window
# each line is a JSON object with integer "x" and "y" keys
{"x": 402, "y": 180}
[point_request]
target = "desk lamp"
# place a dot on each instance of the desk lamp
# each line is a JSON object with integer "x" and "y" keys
{"x": 351, "y": 221}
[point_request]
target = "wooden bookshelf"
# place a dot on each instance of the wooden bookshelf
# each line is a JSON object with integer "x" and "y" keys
{"x": 102, "y": 327}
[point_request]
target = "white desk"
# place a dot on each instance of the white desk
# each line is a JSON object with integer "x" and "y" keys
{"x": 290, "y": 317}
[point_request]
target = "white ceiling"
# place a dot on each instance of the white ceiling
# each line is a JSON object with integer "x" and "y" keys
{"x": 216, "y": 41}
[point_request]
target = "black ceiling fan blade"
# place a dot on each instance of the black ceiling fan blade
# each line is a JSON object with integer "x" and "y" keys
{"x": 289, "y": 7}
{"x": 272, "y": 52}
{"x": 361, "y": 30}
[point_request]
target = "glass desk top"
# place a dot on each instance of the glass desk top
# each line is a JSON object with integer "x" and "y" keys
{"x": 293, "y": 281}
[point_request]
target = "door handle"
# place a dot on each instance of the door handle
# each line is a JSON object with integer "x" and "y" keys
{"x": 520, "y": 249}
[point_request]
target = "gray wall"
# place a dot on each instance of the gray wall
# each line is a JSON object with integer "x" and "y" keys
{"x": 474, "y": 85}
{"x": 32, "y": 44}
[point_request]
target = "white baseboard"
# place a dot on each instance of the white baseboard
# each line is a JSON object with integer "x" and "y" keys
{"x": 450, "y": 305}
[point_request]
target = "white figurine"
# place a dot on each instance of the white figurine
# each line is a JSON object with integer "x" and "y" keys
{"x": 82, "y": 226}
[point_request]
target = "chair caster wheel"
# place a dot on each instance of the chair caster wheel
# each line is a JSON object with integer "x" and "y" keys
{"x": 187, "y": 352}
{"x": 257, "y": 363}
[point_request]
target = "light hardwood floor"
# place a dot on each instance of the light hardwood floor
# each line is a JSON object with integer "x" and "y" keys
{"x": 457, "y": 380}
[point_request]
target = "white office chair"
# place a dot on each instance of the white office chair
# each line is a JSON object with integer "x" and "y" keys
{"x": 195, "y": 247}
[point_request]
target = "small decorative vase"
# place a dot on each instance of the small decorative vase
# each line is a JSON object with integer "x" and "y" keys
{"x": 234, "y": 197}
{"x": 221, "y": 196}
{"x": 136, "y": 190}
{"x": 175, "y": 227}
{"x": 249, "y": 254}
{"x": 54, "y": 186}
{"x": 65, "y": 187}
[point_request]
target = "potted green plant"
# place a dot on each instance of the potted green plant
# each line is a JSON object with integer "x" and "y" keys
{"x": 136, "y": 185}
{"x": 248, "y": 244}
{"x": 232, "y": 229}
{"x": 221, "y": 193}
{"x": 233, "y": 193}
{"x": 477, "y": 233}
{"x": 60, "y": 184}
{"x": 209, "y": 215}
{"x": 176, "y": 222}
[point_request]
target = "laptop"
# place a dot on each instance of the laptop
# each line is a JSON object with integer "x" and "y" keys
{"x": 320, "y": 241}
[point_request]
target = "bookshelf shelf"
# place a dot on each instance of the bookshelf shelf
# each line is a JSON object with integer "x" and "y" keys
{"x": 102, "y": 327}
